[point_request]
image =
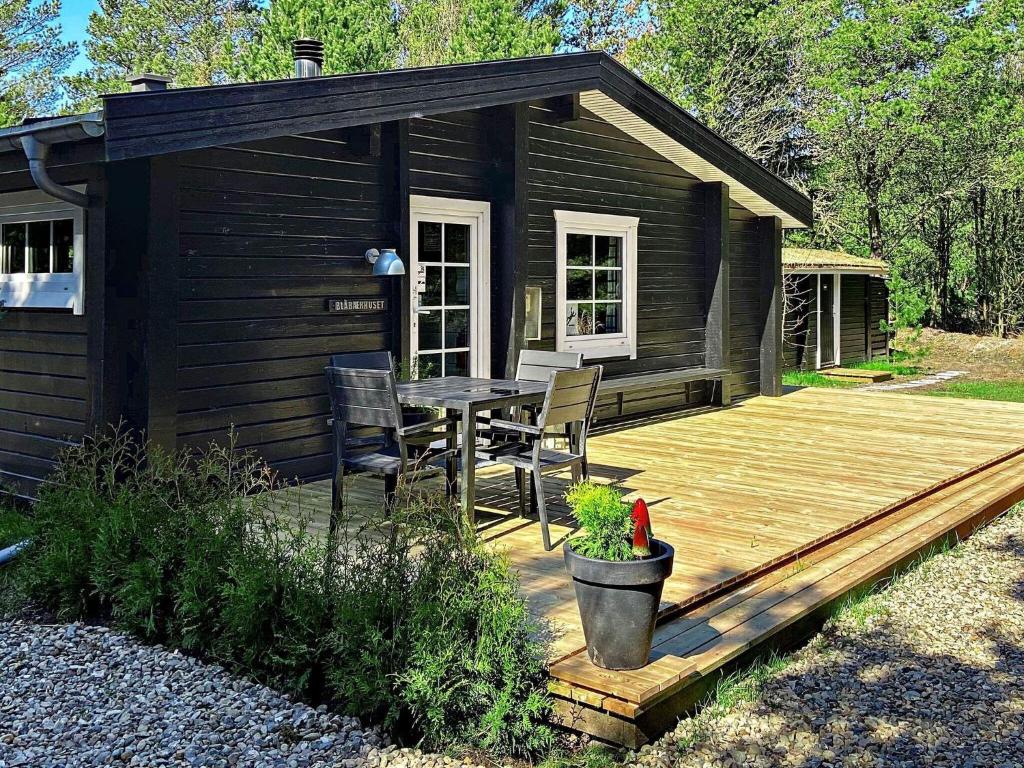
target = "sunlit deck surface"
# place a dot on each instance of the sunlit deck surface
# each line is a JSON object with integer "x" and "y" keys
{"x": 777, "y": 507}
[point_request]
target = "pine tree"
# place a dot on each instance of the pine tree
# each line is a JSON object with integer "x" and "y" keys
{"x": 187, "y": 40}
{"x": 32, "y": 57}
{"x": 358, "y": 36}
{"x": 498, "y": 29}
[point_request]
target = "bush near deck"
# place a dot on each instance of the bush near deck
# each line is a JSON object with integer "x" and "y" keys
{"x": 407, "y": 621}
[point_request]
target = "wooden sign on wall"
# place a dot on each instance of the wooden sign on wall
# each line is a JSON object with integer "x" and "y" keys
{"x": 357, "y": 305}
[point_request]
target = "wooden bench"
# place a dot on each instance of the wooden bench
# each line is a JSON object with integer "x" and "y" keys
{"x": 634, "y": 382}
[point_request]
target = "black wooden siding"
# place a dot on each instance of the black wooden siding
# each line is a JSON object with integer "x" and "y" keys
{"x": 852, "y": 319}
{"x": 744, "y": 298}
{"x": 43, "y": 392}
{"x": 589, "y": 165}
{"x": 268, "y": 232}
{"x": 452, "y": 156}
{"x": 47, "y": 378}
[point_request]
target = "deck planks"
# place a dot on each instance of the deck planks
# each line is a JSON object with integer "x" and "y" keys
{"x": 775, "y": 506}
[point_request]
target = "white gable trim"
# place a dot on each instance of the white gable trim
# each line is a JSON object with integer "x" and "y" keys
{"x": 611, "y": 111}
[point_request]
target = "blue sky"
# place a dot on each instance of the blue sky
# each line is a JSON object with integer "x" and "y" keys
{"x": 74, "y": 16}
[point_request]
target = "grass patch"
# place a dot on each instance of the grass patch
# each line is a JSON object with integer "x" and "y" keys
{"x": 895, "y": 366}
{"x": 814, "y": 379}
{"x": 1010, "y": 391}
{"x": 593, "y": 756}
{"x": 14, "y": 527}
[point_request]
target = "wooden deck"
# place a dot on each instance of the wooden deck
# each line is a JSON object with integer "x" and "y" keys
{"x": 777, "y": 507}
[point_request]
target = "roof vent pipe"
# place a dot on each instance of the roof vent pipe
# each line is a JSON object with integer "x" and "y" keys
{"x": 147, "y": 82}
{"x": 309, "y": 57}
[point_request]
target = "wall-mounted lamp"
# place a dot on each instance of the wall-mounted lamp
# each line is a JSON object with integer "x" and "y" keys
{"x": 385, "y": 263}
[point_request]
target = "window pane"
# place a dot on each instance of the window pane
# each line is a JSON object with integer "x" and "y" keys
{"x": 607, "y": 318}
{"x": 64, "y": 246}
{"x": 456, "y": 243}
{"x": 430, "y": 329}
{"x": 607, "y": 284}
{"x": 428, "y": 366}
{"x": 579, "y": 319}
{"x": 430, "y": 241}
{"x": 456, "y": 285}
{"x": 608, "y": 251}
{"x": 456, "y": 364}
{"x": 431, "y": 297}
{"x": 578, "y": 250}
{"x": 578, "y": 284}
{"x": 39, "y": 247}
{"x": 456, "y": 328}
{"x": 14, "y": 248}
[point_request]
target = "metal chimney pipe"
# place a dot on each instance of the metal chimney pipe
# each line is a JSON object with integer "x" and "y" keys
{"x": 309, "y": 57}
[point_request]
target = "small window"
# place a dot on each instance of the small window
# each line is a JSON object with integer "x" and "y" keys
{"x": 38, "y": 248}
{"x": 596, "y": 291}
{"x": 40, "y": 253}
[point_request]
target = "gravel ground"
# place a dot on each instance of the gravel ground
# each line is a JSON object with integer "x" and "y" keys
{"x": 75, "y": 695}
{"x": 929, "y": 672}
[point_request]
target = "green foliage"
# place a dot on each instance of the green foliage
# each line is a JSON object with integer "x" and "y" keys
{"x": 15, "y": 525}
{"x": 605, "y": 519}
{"x": 496, "y": 29}
{"x": 1011, "y": 391}
{"x": 735, "y": 66}
{"x": 407, "y": 620}
{"x": 32, "y": 57}
{"x": 358, "y": 36}
{"x": 190, "y": 41}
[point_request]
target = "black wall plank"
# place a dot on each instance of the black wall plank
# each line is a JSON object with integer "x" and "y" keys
{"x": 589, "y": 165}
{"x": 268, "y": 232}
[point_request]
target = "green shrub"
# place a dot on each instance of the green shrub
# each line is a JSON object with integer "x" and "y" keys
{"x": 406, "y": 620}
{"x": 605, "y": 519}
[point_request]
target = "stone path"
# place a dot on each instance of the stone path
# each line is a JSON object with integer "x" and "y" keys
{"x": 927, "y": 381}
{"x": 926, "y": 673}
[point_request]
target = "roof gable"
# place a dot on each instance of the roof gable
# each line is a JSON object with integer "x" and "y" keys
{"x": 146, "y": 124}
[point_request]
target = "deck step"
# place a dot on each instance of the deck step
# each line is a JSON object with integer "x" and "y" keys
{"x": 691, "y": 651}
{"x": 860, "y": 375}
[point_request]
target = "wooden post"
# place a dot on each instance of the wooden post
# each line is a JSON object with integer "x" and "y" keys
{"x": 772, "y": 303}
{"x": 100, "y": 409}
{"x": 514, "y": 256}
{"x": 160, "y": 268}
{"x": 394, "y": 153}
{"x": 717, "y": 333}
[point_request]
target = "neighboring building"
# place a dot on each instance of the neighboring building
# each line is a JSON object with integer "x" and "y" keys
{"x": 835, "y": 307}
{"x": 199, "y": 252}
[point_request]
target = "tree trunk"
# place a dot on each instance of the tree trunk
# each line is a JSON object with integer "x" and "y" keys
{"x": 873, "y": 191}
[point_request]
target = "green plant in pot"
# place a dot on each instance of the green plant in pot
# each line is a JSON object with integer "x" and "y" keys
{"x": 619, "y": 570}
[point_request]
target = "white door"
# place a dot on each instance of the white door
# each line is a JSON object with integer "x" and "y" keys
{"x": 450, "y": 284}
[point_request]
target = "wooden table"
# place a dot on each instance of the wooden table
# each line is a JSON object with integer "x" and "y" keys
{"x": 463, "y": 398}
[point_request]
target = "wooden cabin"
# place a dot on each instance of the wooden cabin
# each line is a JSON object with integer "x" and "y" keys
{"x": 837, "y": 306}
{"x": 187, "y": 259}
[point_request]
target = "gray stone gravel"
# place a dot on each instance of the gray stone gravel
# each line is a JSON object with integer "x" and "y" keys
{"x": 82, "y": 696}
{"x": 929, "y": 672}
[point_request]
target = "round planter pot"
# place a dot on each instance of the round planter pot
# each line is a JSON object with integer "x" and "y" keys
{"x": 618, "y": 604}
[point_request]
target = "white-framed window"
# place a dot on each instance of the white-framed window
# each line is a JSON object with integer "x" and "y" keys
{"x": 42, "y": 258}
{"x": 595, "y": 290}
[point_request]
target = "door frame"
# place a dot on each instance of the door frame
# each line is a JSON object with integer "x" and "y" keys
{"x": 477, "y": 214}
{"x": 837, "y": 279}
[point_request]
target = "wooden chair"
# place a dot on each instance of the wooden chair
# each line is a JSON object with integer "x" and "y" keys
{"x": 368, "y": 397}
{"x": 533, "y": 365}
{"x": 569, "y": 402}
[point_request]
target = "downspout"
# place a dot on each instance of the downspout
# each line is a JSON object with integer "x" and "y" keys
{"x": 35, "y": 139}
{"x": 8, "y": 554}
{"x": 37, "y": 153}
